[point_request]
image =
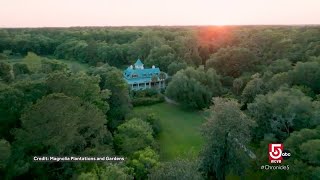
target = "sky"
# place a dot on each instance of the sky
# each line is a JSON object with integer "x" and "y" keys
{"x": 66, "y": 13}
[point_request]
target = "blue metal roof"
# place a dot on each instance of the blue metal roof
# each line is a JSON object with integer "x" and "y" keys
{"x": 140, "y": 75}
{"x": 138, "y": 80}
{"x": 141, "y": 72}
{"x": 138, "y": 63}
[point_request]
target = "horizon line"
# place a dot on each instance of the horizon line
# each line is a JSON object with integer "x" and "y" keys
{"x": 204, "y": 25}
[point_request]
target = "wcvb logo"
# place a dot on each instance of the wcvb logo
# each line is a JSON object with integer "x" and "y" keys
{"x": 277, "y": 153}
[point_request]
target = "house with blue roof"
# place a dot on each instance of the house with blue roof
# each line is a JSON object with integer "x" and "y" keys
{"x": 140, "y": 78}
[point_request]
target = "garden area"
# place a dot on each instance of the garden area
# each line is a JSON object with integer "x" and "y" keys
{"x": 180, "y": 135}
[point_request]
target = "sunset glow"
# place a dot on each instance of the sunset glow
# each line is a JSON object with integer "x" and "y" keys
{"x": 53, "y": 13}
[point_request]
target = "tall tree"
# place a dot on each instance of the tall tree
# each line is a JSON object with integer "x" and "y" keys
{"x": 113, "y": 54}
{"x": 161, "y": 56}
{"x": 307, "y": 74}
{"x": 194, "y": 88}
{"x": 187, "y": 49}
{"x": 304, "y": 146}
{"x": 72, "y": 49}
{"x": 5, "y": 72}
{"x": 133, "y": 135}
{"x": 232, "y": 61}
{"x": 5, "y": 152}
{"x": 143, "y": 161}
{"x": 175, "y": 67}
{"x": 254, "y": 87}
{"x": 79, "y": 85}
{"x": 280, "y": 65}
{"x": 281, "y": 112}
{"x": 20, "y": 68}
{"x": 119, "y": 101}
{"x": 48, "y": 128}
{"x": 142, "y": 46}
{"x": 33, "y": 62}
{"x": 107, "y": 172}
{"x": 48, "y": 66}
{"x": 13, "y": 99}
{"x": 226, "y": 130}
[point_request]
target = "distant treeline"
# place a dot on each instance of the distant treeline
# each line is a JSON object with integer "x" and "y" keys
{"x": 258, "y": 85}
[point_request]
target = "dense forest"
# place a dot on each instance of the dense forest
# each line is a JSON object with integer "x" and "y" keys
{"x": 62, "y": 93}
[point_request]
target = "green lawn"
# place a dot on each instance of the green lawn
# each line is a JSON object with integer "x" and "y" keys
{"x": 13, "y": 60}
{"x": 75, "y": 65}
{"x": 180, "y": 136}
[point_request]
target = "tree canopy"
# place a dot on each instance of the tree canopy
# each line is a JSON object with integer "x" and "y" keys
{"x": 226, "y": 130}
{"x": 232, "y": 61}
{"x": 281, "y": 112}
{"x": 112, "y": 79}
{"x": 194, "y": 88}
{"x": 58, "y": 132}
{"x": 133, "y": 135}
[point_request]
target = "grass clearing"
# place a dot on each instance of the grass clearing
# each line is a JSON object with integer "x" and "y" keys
{"x": 75, "y": 66}
{"x": 180, "y": 136}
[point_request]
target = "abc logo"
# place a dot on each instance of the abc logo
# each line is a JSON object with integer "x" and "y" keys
{"x": 286, "y": 154}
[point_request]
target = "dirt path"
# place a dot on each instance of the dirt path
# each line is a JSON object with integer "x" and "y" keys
{"x": 170, "y": 101}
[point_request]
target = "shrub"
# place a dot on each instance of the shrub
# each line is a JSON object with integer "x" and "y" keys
{"x": 146, "y": 97}
{"x": 150, "y": 118}
{"x": 144, "y": 101}
{"x": 133, "y": 135}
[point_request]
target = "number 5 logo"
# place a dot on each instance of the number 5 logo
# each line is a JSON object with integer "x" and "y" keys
{"x": 275, "y": 151}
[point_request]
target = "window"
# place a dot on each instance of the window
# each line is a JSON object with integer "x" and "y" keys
{"x": 134, "y": 75}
